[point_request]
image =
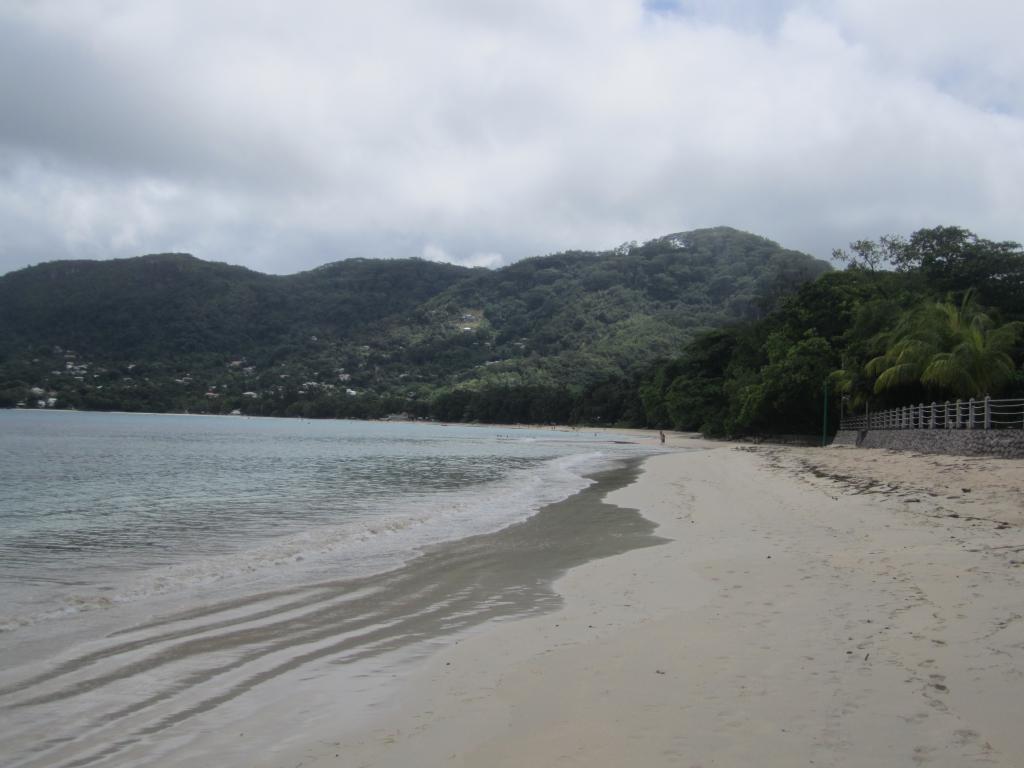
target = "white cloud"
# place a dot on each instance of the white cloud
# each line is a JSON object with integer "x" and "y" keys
{"x": 432, "y": 252}
{"x": 972, "y": 50}
{"x": 285, "y": 137}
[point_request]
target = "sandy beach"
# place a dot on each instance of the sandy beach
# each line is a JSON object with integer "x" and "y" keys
{"x": 705, "y": 604}
{"x": 826, "y": 607}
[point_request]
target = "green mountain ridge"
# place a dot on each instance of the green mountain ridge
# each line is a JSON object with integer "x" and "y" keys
{"x": 364, "y": 337}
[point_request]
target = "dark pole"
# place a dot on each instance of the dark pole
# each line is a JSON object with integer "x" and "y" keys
{"x": 824, "y": 411}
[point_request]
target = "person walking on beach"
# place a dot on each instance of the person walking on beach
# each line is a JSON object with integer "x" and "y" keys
{"x": 661, "y": 434}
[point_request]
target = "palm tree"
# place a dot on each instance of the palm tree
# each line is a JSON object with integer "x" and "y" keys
{"x": 953, "y": 348}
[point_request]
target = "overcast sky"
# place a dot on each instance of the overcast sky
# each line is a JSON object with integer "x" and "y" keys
{"x": 283, "y": 135}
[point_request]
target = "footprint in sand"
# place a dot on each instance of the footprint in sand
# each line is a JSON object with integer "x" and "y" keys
{"x": 939, "y": 705}
{"x": 922, "y": 754}
{"x": 919, "y": 717}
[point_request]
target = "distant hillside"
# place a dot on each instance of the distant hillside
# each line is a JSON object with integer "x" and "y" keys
{"x": 363, "y": 337}
{"x": 167, "y": 305}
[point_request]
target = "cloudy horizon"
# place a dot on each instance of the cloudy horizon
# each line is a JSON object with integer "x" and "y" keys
{"x": 281, "y": 137}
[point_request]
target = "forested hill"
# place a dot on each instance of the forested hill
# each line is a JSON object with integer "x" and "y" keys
{"x": 365, "y": 337}
{"x": 166, "y": 306}
{"x": 934, "y": 317}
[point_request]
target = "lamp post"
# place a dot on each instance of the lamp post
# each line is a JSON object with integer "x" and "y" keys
{"x": 824, "y": 413}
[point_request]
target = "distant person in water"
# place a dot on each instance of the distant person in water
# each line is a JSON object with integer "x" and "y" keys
{"x": 661, "y": 434}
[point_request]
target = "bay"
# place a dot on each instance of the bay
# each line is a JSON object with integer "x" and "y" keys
{"x": 103, "y": 508}
{"x": 170, "y": 582}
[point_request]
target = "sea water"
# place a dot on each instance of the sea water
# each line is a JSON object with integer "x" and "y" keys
{"x": 165, "y": 579}
{"x": 98, "y": 509}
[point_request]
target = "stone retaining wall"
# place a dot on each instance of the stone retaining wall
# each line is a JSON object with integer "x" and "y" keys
{"x": 1005, "y": 443}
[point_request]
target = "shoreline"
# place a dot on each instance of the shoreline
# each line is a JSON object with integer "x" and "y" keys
{"x": 791, "y": 619}
{"x": 731, "y": 605}
{"x": 293, "y": 646}
{"x": 204, "y": 575}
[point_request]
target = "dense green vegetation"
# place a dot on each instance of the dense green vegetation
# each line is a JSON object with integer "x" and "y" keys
{"x": 715, "y": 330}
{"x": 933, "y": 317}
{"x": 546, "y": 339}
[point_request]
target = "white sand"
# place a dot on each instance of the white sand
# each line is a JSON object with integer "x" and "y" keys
{"x": 792, "y": 620}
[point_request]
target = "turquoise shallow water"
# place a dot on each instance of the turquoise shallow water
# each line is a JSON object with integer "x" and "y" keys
{"x": 100, "y": 509}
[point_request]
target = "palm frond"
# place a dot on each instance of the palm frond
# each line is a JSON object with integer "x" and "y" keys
{"x": 946, "y": 372}
{"x": 897, "y": 376}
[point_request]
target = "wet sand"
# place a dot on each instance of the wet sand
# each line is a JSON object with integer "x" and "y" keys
{"x": 813, "y": 607}
{"x": 237, "y": 681}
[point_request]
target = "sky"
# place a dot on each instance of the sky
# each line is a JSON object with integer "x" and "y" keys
{"x": 282, "y": 136}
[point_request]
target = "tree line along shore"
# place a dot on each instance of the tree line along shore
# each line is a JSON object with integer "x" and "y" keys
{"x": 715, "y": 331}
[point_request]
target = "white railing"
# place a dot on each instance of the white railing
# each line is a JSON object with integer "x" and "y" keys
{"x": 959, "y": 414}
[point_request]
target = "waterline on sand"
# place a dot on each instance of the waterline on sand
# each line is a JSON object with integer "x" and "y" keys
{"x": 145, "y": 692}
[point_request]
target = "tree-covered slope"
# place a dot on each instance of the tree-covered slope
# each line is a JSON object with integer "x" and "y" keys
{"x": 934, "y": 317}
{"x": 172, "y": 305}
{"x": 575, "y": 317}
{"x": 356, "y": 337}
